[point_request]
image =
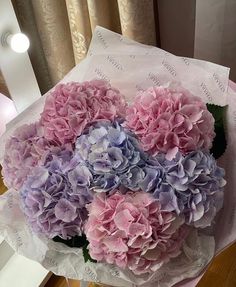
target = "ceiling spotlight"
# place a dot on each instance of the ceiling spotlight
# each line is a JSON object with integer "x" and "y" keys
{"x": 18, "y": 42}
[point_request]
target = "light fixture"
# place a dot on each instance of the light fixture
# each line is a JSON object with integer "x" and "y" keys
{"x": 18, "y": 42}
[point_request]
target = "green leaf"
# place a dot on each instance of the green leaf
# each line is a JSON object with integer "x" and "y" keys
{"x": 76, "y": 241}
{"x": 219, "y": 143}
{"x": 86, "y": 255}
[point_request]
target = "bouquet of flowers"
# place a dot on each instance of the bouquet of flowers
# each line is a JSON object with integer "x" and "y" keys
{"x": 106, "y": 184}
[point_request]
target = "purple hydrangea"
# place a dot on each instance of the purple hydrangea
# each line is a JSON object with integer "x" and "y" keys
{"x": 23, "y": 151}
{"x": 196, "y": 186}
{"x": 55, "y": 194}
{"x": 113, "y": 156}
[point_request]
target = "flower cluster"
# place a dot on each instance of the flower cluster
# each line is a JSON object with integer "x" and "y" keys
{"x": 196, "y": 186}
{"x": 55, "y": 195}
{"x": 132, "y": 231}
{"x": 170, "y": 120}
{"x": 24, "y": 150}
{"x": 132, "y": 182}
{"x": 71, "y": 107}
{"x": 111, "y": 153}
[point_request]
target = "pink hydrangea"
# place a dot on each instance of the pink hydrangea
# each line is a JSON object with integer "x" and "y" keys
{"x": 72, "y": 106}
{"x": 131, "y": 231}
{"x": 23, "y": 151}
{"x": 170, "y": 120}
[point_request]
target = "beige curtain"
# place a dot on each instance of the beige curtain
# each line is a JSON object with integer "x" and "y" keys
{"x": 60, "y": 30}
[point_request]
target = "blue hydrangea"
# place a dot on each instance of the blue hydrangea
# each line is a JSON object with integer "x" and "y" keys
{"x": 113, "y": 156}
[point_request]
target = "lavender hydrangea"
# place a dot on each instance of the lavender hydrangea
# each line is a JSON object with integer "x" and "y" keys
{"x": 112, "y": 155}
{"x": 23, "y": 151}
{"x": 190, "y": 185}
{"x": 196, "y": 186}
{"x": 149, "y": 178}
{"x": 55, "y": 194}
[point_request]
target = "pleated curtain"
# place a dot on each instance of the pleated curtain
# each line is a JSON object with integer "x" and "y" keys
{"x": 60, "y": 30}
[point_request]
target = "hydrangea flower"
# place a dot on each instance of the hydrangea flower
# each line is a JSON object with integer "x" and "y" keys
{"x": 149, "y": 178}
{"x": 170, "y": 120}
{"x": 72, "y": 106}
{"x": 154, "y": 180}
{"x": 132, "y": 231}
{"x": 197, "y": 187}
{"x": 112, "y": 154}
{"x": 55, "y": 194}
{"x": 23, "y": 151}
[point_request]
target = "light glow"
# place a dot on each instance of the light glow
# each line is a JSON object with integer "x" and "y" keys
{"x": 19, "y": 42}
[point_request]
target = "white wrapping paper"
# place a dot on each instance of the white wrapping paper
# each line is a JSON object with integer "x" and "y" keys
{"x": 130, "y": 66}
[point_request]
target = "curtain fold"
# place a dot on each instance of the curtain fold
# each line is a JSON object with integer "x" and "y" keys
{"x": 80, "y": 27}
{"x": 104, "y": 13}
{"x": 60, "y": 30}
{"x": 137, "y": 20}
{"x": 54, "y": 32}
